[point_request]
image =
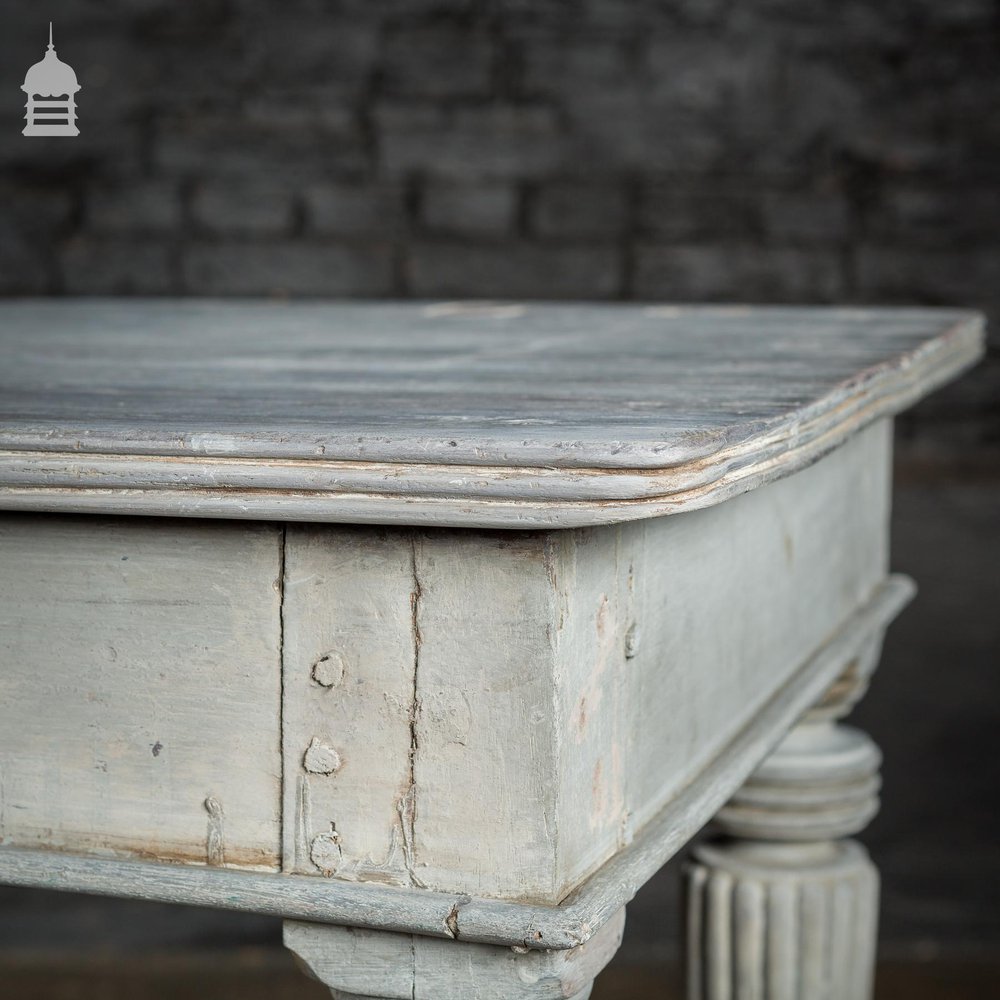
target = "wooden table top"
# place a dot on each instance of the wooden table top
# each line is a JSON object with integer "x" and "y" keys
{"x": 492, "y": 414}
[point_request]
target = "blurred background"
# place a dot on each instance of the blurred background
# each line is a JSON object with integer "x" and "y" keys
{"x": 683, "y": 150}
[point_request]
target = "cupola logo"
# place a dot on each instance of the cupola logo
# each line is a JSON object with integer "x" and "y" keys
{"x": 51, "y": 87}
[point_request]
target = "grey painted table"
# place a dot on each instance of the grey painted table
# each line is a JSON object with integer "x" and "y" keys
{"x": 269, "y": 639}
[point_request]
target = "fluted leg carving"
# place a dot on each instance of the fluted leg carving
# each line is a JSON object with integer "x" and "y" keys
{"x": 778, "y": 907}
{"x": 777, "y": 922}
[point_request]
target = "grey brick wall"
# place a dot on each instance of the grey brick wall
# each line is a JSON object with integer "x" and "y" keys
{"x": 761, "y": 150}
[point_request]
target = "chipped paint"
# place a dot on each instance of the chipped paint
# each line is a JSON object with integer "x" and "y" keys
{"x": 321, "y": 758}
{"x": 325, "y": 851}
{"x": 303, "y": 822}
{"x": 214, "y": 444}
{"x": 215, "y": 843}
{"x": 328, "y": 670}
{"x": 406, "y": 810}
{"x": 406, "y": 806}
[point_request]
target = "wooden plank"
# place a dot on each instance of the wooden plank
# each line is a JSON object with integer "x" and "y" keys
{"x": 349, "y": 654}
{"x": 489, "y": 921}
{"x": 140, "y": 687}
{"x": 505, "y": 710}
{"x": 509, "y": 416}
{"x": 462, "y": 710}
{"x": 486, "y": 769}
{"x": 418, "y": 729}
{"x": 677, "y": 630}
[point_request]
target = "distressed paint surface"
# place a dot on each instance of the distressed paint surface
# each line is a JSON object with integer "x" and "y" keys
{"x": 140, "y": 688}
{"x": 491, "y": 738}
{"x": 784, "y": 567}
{"x": 473, "y": 712}
{"x": 497, "y": 713}
{"x": 355, "y": 962}
{"x": 544, "y": 416}
{"x": 349, "y": 654}
{"x": 485, "y": 766}
{"x": 480, "y": 919}
{"x": 676, "y": 631}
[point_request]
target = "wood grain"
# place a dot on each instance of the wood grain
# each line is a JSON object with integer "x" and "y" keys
{"x": 380, "y": 964}
{"x": 675, "y": 631}
{"x": 140, "y": 688}
{"x": 489, "y": 921}
{"x": 349, "y": 652}
{"x": 497, "y": 713}
{"x": 513, "y": 416}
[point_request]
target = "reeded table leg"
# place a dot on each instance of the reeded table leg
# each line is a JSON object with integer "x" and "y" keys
{"x": 778, "y": 907}
{"x": 381, "y": 965}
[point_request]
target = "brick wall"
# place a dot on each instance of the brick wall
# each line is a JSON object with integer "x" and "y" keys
{"x": 761, "y": 150}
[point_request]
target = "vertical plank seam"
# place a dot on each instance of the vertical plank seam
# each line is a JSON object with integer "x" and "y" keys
{"x": 413, "y": 968}
{"x": 408, "y": 802}
{"x": 552, "y": 551}
{"x": 282, "y": 564}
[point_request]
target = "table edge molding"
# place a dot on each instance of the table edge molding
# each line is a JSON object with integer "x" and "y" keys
{"x": 54, "y": 479}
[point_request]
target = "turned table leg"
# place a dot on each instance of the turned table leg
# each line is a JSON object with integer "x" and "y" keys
{"x": 779, "y": 907}
{"x": 361, "y": 964}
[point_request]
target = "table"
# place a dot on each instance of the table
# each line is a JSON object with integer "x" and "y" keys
{"x": 436, "y": 629}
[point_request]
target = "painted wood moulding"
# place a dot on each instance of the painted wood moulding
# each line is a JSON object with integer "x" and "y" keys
{"x": 453, "y": 414}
